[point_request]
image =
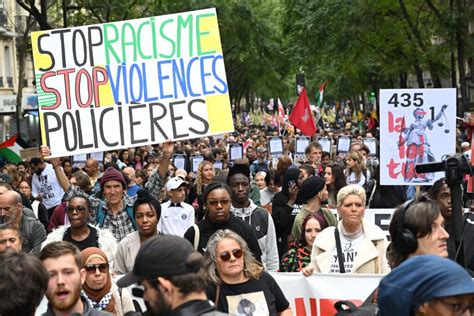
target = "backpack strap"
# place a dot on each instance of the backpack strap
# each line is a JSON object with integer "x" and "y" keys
{"x": 197, "y": 234}
{"x": 129, "y": 210}
{"x": 100, "y": 215}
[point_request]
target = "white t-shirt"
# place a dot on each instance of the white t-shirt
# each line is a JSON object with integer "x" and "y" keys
{"x": 352, "y": 178}
{"x": 349, "y": 251}
{"x": 175, "y": 220}
{"x": 47, "y": 186}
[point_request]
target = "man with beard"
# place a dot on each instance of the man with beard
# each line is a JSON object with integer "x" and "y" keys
{"x": 173, "y": 277}
{"x": 31, "y": 230}
{"x": 62, "y": 260}
{"x": 45, "y": 184}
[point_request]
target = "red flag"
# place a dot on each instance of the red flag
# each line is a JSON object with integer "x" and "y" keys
{"x": 302, "y": 117}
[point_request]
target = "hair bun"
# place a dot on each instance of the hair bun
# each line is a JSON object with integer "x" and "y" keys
{"x": 144, "y": 196}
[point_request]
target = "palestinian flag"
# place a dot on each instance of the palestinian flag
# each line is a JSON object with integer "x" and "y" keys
{"x": 10, "y": 150}
{"x": 319, "y": 97}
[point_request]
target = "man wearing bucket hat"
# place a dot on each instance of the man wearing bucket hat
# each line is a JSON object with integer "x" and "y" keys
{"x": 171, "y": 273}
{"x": 426, "y": 285}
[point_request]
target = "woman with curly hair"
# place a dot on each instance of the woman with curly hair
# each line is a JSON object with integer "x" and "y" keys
{"x": 204, "y": 176}
{"x": 235, "y": 275}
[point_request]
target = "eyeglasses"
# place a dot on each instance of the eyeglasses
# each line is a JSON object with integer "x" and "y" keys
{"x": 458, "y": 308}
{"x": 79, "y": 209}
{"x": 237, "y": 253}
{"x": 92, "y": 268}
{"x": 223, "y": 203}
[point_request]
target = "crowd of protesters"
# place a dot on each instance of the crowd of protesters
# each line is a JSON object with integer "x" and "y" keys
{"x": 188, "y": 231}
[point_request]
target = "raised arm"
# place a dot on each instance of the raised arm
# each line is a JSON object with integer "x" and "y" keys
{"x": 167, "y": 148}
{"x": 62, "y": 178}
{"x": 157, "y": 179}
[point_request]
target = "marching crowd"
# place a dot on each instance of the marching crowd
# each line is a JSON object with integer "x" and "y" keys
{"x": 202, "y": 240}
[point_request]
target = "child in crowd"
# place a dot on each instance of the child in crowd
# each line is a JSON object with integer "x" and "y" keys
{"x": 176, "y": 216}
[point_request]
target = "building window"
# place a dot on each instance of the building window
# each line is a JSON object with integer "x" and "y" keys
{"x": 8, "y": 66}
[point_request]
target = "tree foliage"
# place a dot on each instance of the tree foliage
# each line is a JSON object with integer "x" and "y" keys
{"x": 358, "y": 45}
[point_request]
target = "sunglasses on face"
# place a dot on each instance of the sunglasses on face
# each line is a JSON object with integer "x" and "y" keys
{"x": 223, "y": 203}
{"x": 79, "y": 209}
{"x": 92, "y": 268}
{"x": 237, "y": 253}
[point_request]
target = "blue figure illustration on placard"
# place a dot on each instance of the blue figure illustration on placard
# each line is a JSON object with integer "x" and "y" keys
{"x": 417, "y": 147}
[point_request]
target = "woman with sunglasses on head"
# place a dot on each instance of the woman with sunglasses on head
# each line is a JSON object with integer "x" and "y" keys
{"x": 147, "y": 213}
{"x": 99, "y": 288}
{"x": 79, "y": 232}
{"x": 217, "y": 202}
{"x": 237, "y": 279}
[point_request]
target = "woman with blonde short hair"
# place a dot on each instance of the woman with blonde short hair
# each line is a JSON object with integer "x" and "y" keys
{"x": 362, "y": 245}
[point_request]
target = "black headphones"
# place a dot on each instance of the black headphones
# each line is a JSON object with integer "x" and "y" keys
{"x": 406, "y": 241}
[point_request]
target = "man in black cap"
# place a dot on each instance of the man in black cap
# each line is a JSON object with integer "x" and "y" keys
{"x": 313, "y": 192}
{"x": 172, "y": 275}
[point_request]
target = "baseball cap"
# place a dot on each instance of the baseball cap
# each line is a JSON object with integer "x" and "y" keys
{"x": 162, "y": 255}
{"x": 175, "y": 183}
{"x": 310, "y": 187}
{"x": 419, "y": 280}
{"x": 261, "y": 149}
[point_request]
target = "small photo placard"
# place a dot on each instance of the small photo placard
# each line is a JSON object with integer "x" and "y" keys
{"x": 343, "y": 144}
{"x": 179, "y": 161}
{"x": 236, "y": 152}
{"x": 218, "y": 164}
{"x": 196, "y": 161}
{"x": 372, "y": 144}
{"x": 301, "y": 143}
{"x": 99, "y": 156}
{"x": 326, "y": 144}
{"x": 275, "y": 146}
{"x": 79, "y": 160}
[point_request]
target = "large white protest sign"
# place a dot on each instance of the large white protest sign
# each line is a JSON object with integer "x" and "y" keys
{"x": 131, "y": 83}
{"x": 416, "y": 126}
{"x": 316, "y": 295}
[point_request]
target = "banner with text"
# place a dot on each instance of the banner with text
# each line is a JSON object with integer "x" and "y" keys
{"x": 316, "y": 295}
{"x": 416, "y": 126}
{"x": 131, "y": 83}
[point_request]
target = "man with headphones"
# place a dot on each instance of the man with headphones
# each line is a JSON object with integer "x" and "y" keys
{"x": 417, "y": 228}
